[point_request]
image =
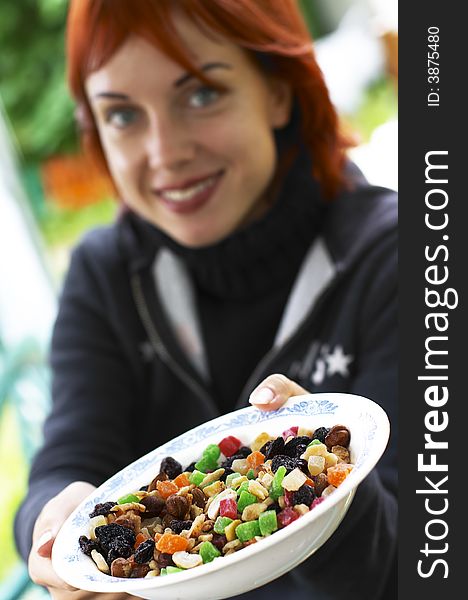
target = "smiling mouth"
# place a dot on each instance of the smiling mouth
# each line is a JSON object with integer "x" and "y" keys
{"x": 190, "y": 197}
{"x": 187, "y": 193}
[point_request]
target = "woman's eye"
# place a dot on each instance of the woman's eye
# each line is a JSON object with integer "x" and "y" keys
{"x": 203, "y": 96}
{"x": 121, "y": 117}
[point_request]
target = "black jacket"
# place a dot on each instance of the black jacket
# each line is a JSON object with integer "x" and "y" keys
{"x": 123, "y": 385}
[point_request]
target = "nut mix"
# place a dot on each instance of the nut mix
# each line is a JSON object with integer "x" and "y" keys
{"x": 233, "y": 496}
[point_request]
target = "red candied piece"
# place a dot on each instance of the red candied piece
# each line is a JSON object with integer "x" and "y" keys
{"x": 229, "y": 445}
{"x": 288, "y": 497}
{"x": 292, "y": 431}
{"x": 316, "y": 501}
{"x": 287, "y": 516}
{"x": 228, "y": 508}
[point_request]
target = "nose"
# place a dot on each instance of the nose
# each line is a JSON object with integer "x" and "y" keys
{"x": 168, "y": 143}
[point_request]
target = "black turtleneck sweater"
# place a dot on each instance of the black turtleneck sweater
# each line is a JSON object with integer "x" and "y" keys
{"x": 243, "y": 282}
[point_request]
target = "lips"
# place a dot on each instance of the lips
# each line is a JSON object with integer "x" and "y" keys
{"x": 189, "y": 196}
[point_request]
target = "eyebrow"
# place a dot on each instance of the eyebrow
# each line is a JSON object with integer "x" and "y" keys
{"x": 206, "y": 67}
{"x": 178, "y": 83}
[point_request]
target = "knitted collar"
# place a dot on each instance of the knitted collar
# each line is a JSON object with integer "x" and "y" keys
{"x": 264, "y": 254}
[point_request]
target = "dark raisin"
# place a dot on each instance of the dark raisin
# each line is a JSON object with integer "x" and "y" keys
{"x": 144, "y": 488}
{"x": 144, "y": 552}
{"x": 177, "y": 526}
{"x": 227, "y": 471}
{"x": 165, "y": 560}
{"x": 288, "y": 462}
{"x": 191, "y": 467}
{"x": 219, "y": 540}
{"x": 102, "y": 509}
{"x": 320, "y": 434}
{"x": 244, "y": 451}
{"x": 119, "y": 548}
{"x": 296, "y": 446}
{"x": 171, "y": 467}
{"x": 106, "y": 534}
{"x": 87, "y": 545}
{"x": 304, "y": 495}
{"x": 302, "y": 465}
{"x": 273, "y": 447}
{"x": 283, "y": 460}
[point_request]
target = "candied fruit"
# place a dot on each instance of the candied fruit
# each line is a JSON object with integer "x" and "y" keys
{"x": 229, "y": 445}
{"x": 166, "y": 488}
{"x": 169, "y": 543}
{"x": 337, "y": 474}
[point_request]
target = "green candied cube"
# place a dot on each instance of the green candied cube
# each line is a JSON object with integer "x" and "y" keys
{"x": 247, "y": 531}
{"x": 163, "y": 572}
{"x": 205, "y": 464}
{"x": 250, "y": 474}
{"x": 245, "y": 498}
{"x": 212, "y": 452}
{"x": 230, "y": 478}
{"x": 314, "y": 443}
{"x": 171, "y": 569}
{"x": 268, "y": 522}
{"x": 221, "y": 523}
{"x": 128, "y": 498}
{"x": 208, "y": 552}
{"x": 244, "y": 487}
{"x": 276, "y": 489}
{"x": 196, "y": 477}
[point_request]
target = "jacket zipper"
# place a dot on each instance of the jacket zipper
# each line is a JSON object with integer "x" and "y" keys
{"x": 157, "y": 344}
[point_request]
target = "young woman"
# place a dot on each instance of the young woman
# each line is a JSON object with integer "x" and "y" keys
{"x": 250, "y": 262}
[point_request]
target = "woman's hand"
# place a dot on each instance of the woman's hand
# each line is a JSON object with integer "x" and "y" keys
{"x": 273, "y": 392}
{"x": 50, "y": 520}
{"x": 47, "y": 526}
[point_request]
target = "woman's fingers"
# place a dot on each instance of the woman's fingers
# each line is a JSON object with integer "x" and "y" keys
{"x": 48, "y": 524}
{"x": 273, "y": 392}
{"x": 41, "y": 571}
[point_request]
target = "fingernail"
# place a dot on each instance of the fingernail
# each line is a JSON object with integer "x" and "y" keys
{"x": 44, "y": 542}
{"x": 264, "y": 395}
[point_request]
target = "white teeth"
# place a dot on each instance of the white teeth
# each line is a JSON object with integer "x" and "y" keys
{"x": 187, "y": 193}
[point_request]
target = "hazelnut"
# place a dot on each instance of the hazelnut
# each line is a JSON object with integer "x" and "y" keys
{"x": 337, "y": 436}
{"x": 177, "y": 506}
{"x": 153, "y": 504}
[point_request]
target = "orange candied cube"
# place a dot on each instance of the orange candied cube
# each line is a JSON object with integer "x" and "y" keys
{"x": 171, "y": 542}
{"x": 255, "y": 459}
{"x": 166, "y": 488}
{"x": 337, "y": 474}
{"x": 182, "y": 480}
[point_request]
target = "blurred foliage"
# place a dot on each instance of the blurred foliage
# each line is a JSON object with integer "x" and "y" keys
{"x": 13, "y": 474}
{"x": 61, "y": 226}
{"x": 379, "y": 105}
{"x": 32, "y": 83}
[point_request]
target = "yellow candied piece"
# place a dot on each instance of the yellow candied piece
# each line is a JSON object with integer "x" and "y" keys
{"x": 330, "y": 459}
{"x": 230, "y": 530}
{"x": 260, "y": 441}
{"x": 314, "y": 450}
{"x": 316, "y": 464}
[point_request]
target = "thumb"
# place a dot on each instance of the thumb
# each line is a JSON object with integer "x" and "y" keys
{"x": 273, "y": 392}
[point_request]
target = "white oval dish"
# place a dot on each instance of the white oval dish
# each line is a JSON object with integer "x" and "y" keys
{"x": 258, "y": 563}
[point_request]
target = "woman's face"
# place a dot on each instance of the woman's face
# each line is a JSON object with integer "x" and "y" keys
{"x": 193, "y": 161}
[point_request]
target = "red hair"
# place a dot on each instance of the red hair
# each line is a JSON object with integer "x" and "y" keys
{"x": 272, "y": 32}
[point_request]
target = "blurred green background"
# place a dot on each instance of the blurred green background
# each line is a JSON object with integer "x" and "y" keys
{"x": 65, "y": 197}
